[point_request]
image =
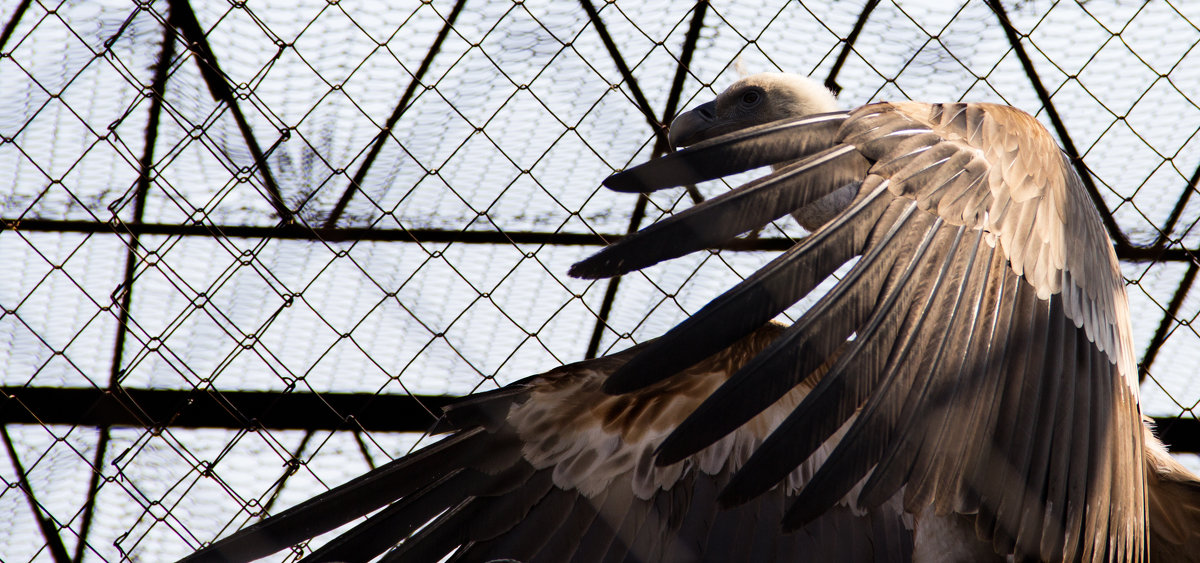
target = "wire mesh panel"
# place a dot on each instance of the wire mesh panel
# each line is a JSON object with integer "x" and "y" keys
{"x": 251, "y": 247}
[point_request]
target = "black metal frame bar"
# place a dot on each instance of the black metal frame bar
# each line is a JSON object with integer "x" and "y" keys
{"x": 377, "y": 145}
{"x": 1014, "y": 39}
{"x": 53, "y": 540}
{"x": 293, "y": 465}
{"x": 686, "y": 52}
{"x": 344, "y": 234}
{"x": 13, "y": 20}
{"x": 1164, "y": 326}
{"x": 1169, "y": 227}
{"x": 184, "y": 19}
{"x": 660, "y": 130}
{"x": 349, "y": 234}
{"x": 254, "y": 410}
{"x": 661, "y": 145}
{"x": 158, "y": 87}
{"x": 863, "y": 16}
{"x": 161, "y": 408}
{"x": 1125, "y": 250}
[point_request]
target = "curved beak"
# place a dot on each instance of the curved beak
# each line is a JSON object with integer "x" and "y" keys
{"x": 693, "y": 126}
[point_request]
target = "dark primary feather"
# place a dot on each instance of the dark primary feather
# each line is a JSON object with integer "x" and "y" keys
{"x": 980, "y": 348}
{"x": 763, "y": 145}
{"x": 729, "y": 214}
{"x": 802, "y": 348}
{"x": 553, "y": 469}
{"x": 342, "y": 504}
{"x": 750, "y": 304}
{"x": 846, "y": 385}
{"x": 882, "y": 418}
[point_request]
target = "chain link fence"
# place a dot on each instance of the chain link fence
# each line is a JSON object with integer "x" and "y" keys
{"x": 251, "y": 247}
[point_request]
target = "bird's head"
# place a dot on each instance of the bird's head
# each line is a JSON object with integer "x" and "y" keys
{"x": 754, "y": 100}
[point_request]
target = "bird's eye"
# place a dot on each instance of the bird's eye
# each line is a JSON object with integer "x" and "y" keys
{"x": 751, "y": 97}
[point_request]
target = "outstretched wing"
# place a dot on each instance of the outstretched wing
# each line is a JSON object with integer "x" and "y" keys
{"x": 553, "y": 469}
{"x": 980, "y": 346}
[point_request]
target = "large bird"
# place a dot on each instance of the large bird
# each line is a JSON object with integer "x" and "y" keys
{"x": 965, "y": 392}
{"x": 982, "y": 365}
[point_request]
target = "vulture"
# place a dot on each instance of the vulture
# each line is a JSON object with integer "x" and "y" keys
{"x": 966, "y": 391}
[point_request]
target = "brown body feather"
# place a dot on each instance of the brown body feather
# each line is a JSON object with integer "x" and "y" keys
{"x": 1173, "y": 496}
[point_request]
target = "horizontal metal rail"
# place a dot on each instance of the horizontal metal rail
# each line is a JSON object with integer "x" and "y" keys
{"x": 343, "y": 234}
{"x": 163, "y": 408}
{"x": 159, "y": 408}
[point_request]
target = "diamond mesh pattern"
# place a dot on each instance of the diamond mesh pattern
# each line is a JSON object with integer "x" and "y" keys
{"x": 381, "y": 200}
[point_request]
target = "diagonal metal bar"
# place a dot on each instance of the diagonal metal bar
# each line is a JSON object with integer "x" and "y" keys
{"x": 831, "y": 80}
{"x": 639, "y": 210}
{"x": 686, "y": 52}
{"x": 382, "y": 137}
{"x": 89, "y": 508}
{"x": 1169, "y": 227}
{"x": 1169, "y": 318}
{"x": 158, "y": 86}
{"x": 53, "y": 539}
{"x": 659, "y": 128}
{"x": 184, "y": 19}
{"x": 681, "y": 73}
{"x": 610, "y": 291}
{"x": 145, "y": 171}
{"x": 362, "y": 448}
{"x": 13, "y": 20}
{"x": 293, "y": 465}
{"x": 1014, "y": 39}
